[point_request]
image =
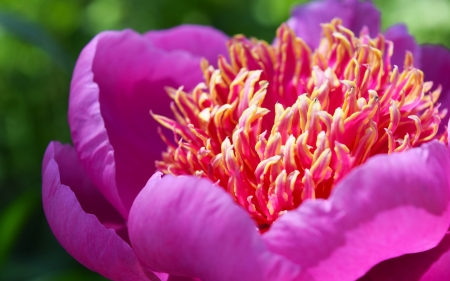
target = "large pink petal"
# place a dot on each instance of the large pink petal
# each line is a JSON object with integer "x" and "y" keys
{"x": 73, "y": 175}
{"x": 306, "y": 18}
{"x": 431, "y": 265}
{"x": 390, "y": 206}
{"x": 435, "y": 64}
{"x": 189, "y": 227}
{"x": 119, "y": 78}
{"x": 80, "y": 232}
{"x": 199, "y": 41}
{"x": 167, "y": 277}
{"x": 403, "y": 41}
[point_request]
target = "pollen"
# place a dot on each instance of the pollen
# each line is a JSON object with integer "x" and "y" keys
{"x": 275, "y": 125}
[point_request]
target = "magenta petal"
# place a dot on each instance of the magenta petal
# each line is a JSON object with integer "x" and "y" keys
{"x": 119, "y": 78}
{"x": 431, "y": 265}
{"x": 201, "y": 41}
{"x": 390, "y": 206}
{"x": 435, "y": 64}
{"x": 178, "y": 278}
{"x": 403, "y": 41}
{"x": 90, "y": 199}
{"x": 167, "y": 277}
{"x": 82, "y": 234}
{"x": 189, "y": 227}
{"x": 306, "y": 19}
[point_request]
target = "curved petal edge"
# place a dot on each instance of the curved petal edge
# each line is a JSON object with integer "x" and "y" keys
{"x": 390, "y": 206}
{"x": 81, "y": 234}
{"x": 190, "y": 227}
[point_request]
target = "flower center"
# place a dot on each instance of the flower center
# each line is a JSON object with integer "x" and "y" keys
{"x": 277, "y": 125}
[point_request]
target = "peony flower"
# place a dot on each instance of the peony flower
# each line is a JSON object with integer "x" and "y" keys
{"x": 196, "y": 157}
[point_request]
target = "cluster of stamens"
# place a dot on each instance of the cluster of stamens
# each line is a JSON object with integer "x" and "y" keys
{"x": 278, "y": 124}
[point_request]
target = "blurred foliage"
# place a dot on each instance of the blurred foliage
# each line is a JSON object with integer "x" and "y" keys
{"x": 39, "y": 43}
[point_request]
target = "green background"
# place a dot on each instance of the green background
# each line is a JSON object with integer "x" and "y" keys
{"x": 39, "y": 43}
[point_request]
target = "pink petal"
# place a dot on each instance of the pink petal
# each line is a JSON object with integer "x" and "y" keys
{"x": 435, "y": 64}
{"x": 89, "y": 197}
{"x": 178, "y": 278}
{"x": 82, "y": 234}
{"x": 390, "y": 206}
{"x": 167, "y": 277}
{"x": 119, "y": 78}
{"x": 306, "y": 19}
{"x": 403, "y": 41}
{"x": 189, "y": 227}
{"x": 431, "y": 265}
{"x": 199, "y": 41}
